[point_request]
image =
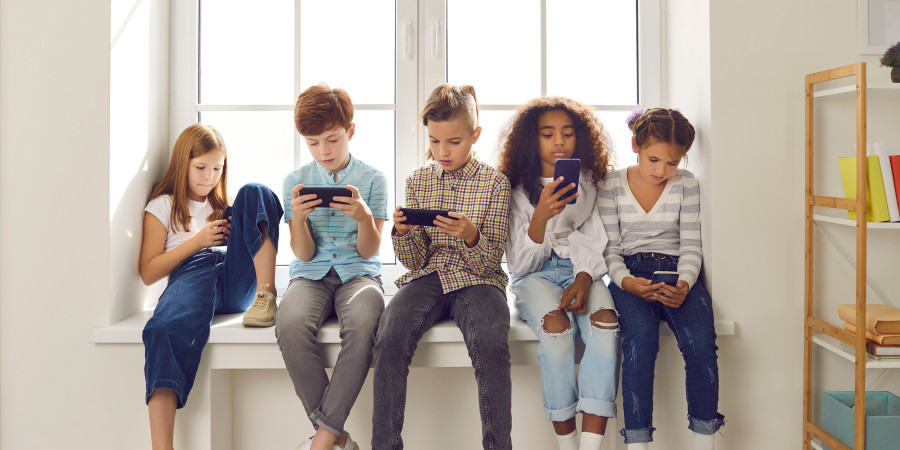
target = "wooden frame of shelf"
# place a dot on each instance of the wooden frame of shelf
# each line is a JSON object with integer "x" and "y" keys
{"x": 813, "y": 324}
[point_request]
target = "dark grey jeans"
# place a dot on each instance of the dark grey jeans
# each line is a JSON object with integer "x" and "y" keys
{"x": 358, "y": 304}
{"x": 482, "y": 315}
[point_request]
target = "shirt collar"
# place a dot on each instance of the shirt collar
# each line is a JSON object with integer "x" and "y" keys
{"x": 327, "y": 174}
{"x": 466, "y": 171}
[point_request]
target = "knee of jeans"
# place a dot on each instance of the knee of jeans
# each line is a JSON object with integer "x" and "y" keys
{"x": 605, "y": 320}
{"x": 556, "y": 323}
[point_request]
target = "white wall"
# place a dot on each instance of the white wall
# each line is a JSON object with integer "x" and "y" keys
{"x": 71, "y": 186}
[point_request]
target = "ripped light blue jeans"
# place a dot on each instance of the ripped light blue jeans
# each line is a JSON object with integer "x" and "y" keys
{"x": 694, "y": 328}
{"x": 565, "y": 392}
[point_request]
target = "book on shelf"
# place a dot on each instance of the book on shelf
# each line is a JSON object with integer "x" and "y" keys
{"x": 895, "y": 168}
{"x": 884, "y": 339}
{"x": 879, "y": 149}
{"x": 876, "y": 201}
{"x": 876, "y": 349}
{"x": 880, "y": 319}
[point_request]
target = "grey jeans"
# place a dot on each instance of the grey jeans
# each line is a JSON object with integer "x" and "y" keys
{"x": 306, "y": 304}
{"x": 482, "y": 314}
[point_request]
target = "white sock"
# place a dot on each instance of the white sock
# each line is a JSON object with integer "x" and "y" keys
{"x": 639, "y": 446}
{"x": 591, "y": 441}
{"x": 569, "y": 441}
{"x": 704, "y": 441}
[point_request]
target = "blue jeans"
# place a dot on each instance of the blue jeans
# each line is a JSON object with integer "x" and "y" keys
{"x": 694, "y": 328}
{"x": 481, "y": 313}
{"x": 208, "y": 282}
{"x": 539, "y": 293}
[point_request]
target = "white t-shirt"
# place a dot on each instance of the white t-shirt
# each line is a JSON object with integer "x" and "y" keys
{"x": 161, "y": 207}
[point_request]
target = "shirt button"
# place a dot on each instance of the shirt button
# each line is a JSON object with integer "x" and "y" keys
{"x": 333, "y": 238}
{"x": 334, "y": 255}
{"x": 332, "y": 213}
{"x": 331, "y": 173}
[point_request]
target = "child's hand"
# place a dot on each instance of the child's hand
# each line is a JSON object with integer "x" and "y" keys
{"x": 642, "y": 287}
{"x": 460, "y": 226}
{"x": 301, "y": 206}
{"x": 672, "y": 297}
{"x": 213, "y": 234}
{"x": 579, "y": 291}
{"x": 353, "y": 206}
{"x": 401, "y": 227}
{"x": 549, "y": 205}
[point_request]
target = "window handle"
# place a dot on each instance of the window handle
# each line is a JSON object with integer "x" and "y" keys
{"x": 436, "y": 38}
{"x": 408, "y": 40}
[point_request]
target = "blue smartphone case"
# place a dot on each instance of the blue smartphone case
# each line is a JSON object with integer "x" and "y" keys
{"x": 569, "y": 169}
{"x": 670, "y": 278}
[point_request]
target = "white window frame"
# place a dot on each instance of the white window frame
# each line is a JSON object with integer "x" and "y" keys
{"x": 421, "y": 64}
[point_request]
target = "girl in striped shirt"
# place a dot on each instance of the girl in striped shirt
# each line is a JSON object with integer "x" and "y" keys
{"x": 651, "y": 212}
{"x": 555, "y": 255}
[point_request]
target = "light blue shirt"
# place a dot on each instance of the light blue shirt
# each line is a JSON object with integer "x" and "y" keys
{"x": 335, "y": 233}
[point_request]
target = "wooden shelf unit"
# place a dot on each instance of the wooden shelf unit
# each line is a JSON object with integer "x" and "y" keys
{"x": 813, "y": 324}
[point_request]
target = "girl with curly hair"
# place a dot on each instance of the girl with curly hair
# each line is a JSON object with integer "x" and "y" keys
{"x": 555, "y": 256}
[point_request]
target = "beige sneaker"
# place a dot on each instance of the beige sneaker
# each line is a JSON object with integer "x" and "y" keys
{"x": 262, "y": 312}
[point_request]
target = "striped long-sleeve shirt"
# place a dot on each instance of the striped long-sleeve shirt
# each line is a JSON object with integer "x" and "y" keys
{"x": 671, "y": 227}
{"x": 481, "y": 193}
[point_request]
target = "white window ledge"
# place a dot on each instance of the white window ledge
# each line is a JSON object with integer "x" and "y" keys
{"x": 233, "y": 346}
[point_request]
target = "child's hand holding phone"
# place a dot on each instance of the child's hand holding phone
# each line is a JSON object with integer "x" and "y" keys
{"x": 354, "y": 206}
{"x": 303, "y": 205}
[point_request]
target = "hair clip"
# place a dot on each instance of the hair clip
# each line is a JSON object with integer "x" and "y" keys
{"x": 634, "y": 115}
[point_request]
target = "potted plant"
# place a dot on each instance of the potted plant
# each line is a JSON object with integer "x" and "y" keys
{"x": 891, "y": 58}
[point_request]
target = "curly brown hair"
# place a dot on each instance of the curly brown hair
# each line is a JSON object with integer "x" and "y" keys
{"x": 520, "y": 157}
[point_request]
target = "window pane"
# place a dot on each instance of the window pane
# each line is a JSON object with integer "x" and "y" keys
{"x": 349, "y": 44}
{"x": 261, "y": 150}
{"x": 246, "y": 52}
{"x": 592, "y": 51}
{"x": 496, "y": 47}
{"x": 492, "y": 122}
{"x": 614, "y": 121}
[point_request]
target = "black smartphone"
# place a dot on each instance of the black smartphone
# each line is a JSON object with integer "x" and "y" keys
{"x": 570, "y": 170}
{"x": 327, "y": 194}
{"x": 423, "y": 217}
{"x": 670, "y": 278}
{"x": 227, "y": 214}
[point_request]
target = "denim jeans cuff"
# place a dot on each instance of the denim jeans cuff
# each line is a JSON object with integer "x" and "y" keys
{"x": 561, "y": 415}
{"x": 639, "y": 435}
{"x": 706, "y": 426}
{"x": 167, "y": 384}
{"x": 597, "y": 407}
{"x": 322, "y": 421}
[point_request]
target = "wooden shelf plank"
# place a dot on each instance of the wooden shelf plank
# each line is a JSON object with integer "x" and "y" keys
{"x": 852, "y": 88}
{"x": 839, "y": 348}
{"x": 852, "y": 223}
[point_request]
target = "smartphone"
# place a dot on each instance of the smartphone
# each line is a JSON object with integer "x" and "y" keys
{"x": 570, "y": 170}
{"x": 327, "y": 194}
{"x": 424, "y": 217}
{"x": 670, "y": 278}
{"x": 227, "y": 214}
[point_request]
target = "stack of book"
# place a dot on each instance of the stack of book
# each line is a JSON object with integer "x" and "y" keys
{"x": 882, "y": 185}
{"x": 882, "y": 327}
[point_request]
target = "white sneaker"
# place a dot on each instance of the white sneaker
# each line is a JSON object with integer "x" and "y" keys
{"x": 305, "y": 445}
{"x": 349, "y": 445}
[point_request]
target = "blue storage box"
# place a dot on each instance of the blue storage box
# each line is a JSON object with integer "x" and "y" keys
{"x": 882, "y": 418}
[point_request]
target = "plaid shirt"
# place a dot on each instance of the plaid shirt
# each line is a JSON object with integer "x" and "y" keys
{"x": 481, "y": 193}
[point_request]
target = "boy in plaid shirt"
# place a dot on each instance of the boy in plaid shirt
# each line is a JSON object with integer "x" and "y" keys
{"x": 454, "y": 271}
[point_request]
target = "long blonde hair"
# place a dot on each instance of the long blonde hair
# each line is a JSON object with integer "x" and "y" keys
{"x": 195, "y": 141}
